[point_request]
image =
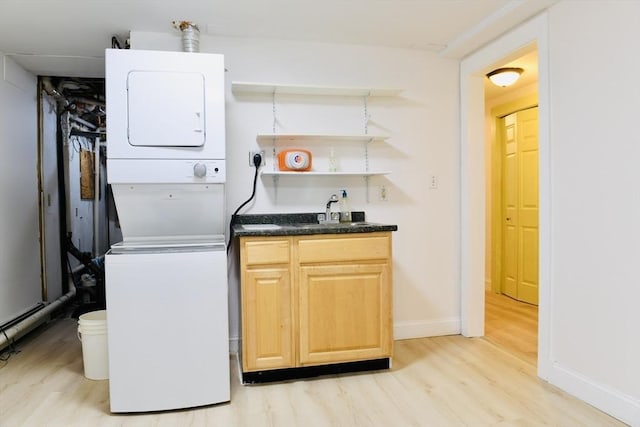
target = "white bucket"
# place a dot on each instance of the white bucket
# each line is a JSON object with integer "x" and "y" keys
{"x": 92, "y": 331}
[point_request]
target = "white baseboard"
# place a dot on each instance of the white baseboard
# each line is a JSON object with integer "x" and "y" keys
{"x": 613, "y": 402}
{"x": 427, "y": 328}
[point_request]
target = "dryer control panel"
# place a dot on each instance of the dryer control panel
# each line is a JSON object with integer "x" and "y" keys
{"x": 161, "y": 171}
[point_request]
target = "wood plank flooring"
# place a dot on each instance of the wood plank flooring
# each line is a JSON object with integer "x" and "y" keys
{"x": 440, "y": 381}
{"x": 512, "y": 325}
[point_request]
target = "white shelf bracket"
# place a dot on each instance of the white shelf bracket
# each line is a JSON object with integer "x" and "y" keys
{"x": 276, "y": 180}
{"x": 273, "y": 109}
{"x": 366, "y": 144}
{"x": 366, "y": 114}
{"x": 366, "y": 156}
{"x": 274, "y": 156}
{"x": 366, "y": 184}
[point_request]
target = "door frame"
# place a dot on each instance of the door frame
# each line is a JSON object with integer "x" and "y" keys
{"x": 472, "y": 179}
{"x": 53, "y": 270}
{"x": 497, "y": 113}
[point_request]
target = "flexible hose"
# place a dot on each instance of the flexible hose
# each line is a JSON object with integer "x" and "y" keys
{"x": 257, "y": 160}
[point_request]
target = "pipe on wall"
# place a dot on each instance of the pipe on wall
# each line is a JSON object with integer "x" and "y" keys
{"x": 96, "y": 198}
{"x": 36, "y": 319}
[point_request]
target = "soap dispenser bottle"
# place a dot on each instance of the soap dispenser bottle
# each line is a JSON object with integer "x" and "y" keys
{"x": 345, "y": 209}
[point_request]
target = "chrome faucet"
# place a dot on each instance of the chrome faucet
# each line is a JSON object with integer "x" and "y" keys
{"x": 328, "y": 217}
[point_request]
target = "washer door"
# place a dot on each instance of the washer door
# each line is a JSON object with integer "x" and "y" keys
{"x": 167, "y": 322}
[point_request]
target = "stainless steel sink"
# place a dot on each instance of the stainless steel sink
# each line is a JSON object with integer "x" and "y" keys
{"x": 332, "y": 224}
{"x": 311, "y": 225}
{"x": 261, "y": 226}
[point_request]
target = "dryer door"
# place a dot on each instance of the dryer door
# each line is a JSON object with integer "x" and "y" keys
{"x": 166, "y": 109}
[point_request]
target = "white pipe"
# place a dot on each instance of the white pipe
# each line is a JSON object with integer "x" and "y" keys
{"x": 65, "y": 164}
{"x": 20, "y": 329}
{"x": 96, "y": 198}
{"x": 84, "y": 123}
{"x": 77, "y": 268}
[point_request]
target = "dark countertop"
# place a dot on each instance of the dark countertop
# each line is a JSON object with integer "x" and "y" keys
{"x": 302, "y": 223}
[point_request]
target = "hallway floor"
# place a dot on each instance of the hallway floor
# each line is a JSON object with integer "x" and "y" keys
{"x": 512, "y": 325}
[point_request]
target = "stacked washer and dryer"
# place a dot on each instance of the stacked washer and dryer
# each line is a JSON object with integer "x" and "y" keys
{"x": 166, "y": 282}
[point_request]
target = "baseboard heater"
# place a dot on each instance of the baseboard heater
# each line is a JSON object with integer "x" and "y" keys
{"x": 259, "y": 377}
{"x": 23, "y": 316}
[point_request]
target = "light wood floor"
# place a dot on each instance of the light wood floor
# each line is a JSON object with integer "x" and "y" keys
{"x": 441, "y": 381}
{"x": 512, "y": 325}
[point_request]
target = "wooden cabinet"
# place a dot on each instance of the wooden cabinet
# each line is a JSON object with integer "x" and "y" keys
{"x": 267, "y": 329}
{"x": 328, "y": 301}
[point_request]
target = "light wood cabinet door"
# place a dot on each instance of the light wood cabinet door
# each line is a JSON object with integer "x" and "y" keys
{"x": 267, "y": 308}
{"x": 344, "y": 313}
{"x": 266, "y": 319}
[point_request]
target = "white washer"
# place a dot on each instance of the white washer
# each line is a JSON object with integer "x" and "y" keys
{"x": 167, "y": 325}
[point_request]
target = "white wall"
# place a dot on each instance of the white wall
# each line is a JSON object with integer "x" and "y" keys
{"x": 588, "y": 317}
{"x": 423, "y": 125}
{"x": 595, "y": 175}
{"x": 20, "y": 286}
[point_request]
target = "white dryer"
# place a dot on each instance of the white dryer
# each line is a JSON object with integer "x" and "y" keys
{"x": 165, "y": 105}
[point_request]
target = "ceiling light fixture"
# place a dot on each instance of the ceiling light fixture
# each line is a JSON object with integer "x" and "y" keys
{"x": 505, "y": 76}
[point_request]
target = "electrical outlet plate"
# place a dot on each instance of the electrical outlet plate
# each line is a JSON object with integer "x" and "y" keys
{"x": 433, "y": 183}
{"x": 252, "y": 153}
{"x": 383, "y": 195}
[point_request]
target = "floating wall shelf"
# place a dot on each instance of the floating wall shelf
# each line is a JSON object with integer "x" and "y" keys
{"x": 274, "y": 88}
{"x": 312, "y": 173}
{"x": 271, "y": 137}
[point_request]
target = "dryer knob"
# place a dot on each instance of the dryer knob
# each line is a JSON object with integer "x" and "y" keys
{"x": 200, "y": 170}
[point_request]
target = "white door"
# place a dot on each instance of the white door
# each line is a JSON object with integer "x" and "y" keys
{"x": 520, "y": 206}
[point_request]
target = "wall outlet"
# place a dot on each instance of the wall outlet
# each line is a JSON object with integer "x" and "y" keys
{"x": 252, "y": 153}
{"x": 433, "y": 182}
{"x": 383, "y": 195}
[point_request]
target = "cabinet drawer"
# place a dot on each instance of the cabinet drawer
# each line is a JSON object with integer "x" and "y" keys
{"x": 344, "y": 249}
{"x": 261, "y": 252}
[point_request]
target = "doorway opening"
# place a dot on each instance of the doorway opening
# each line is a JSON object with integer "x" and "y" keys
{"x": 74, "y": 196}
{"x": 511, "y": 249}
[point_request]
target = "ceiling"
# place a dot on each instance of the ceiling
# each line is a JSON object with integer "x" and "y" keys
{"x": 68, "y": 37}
